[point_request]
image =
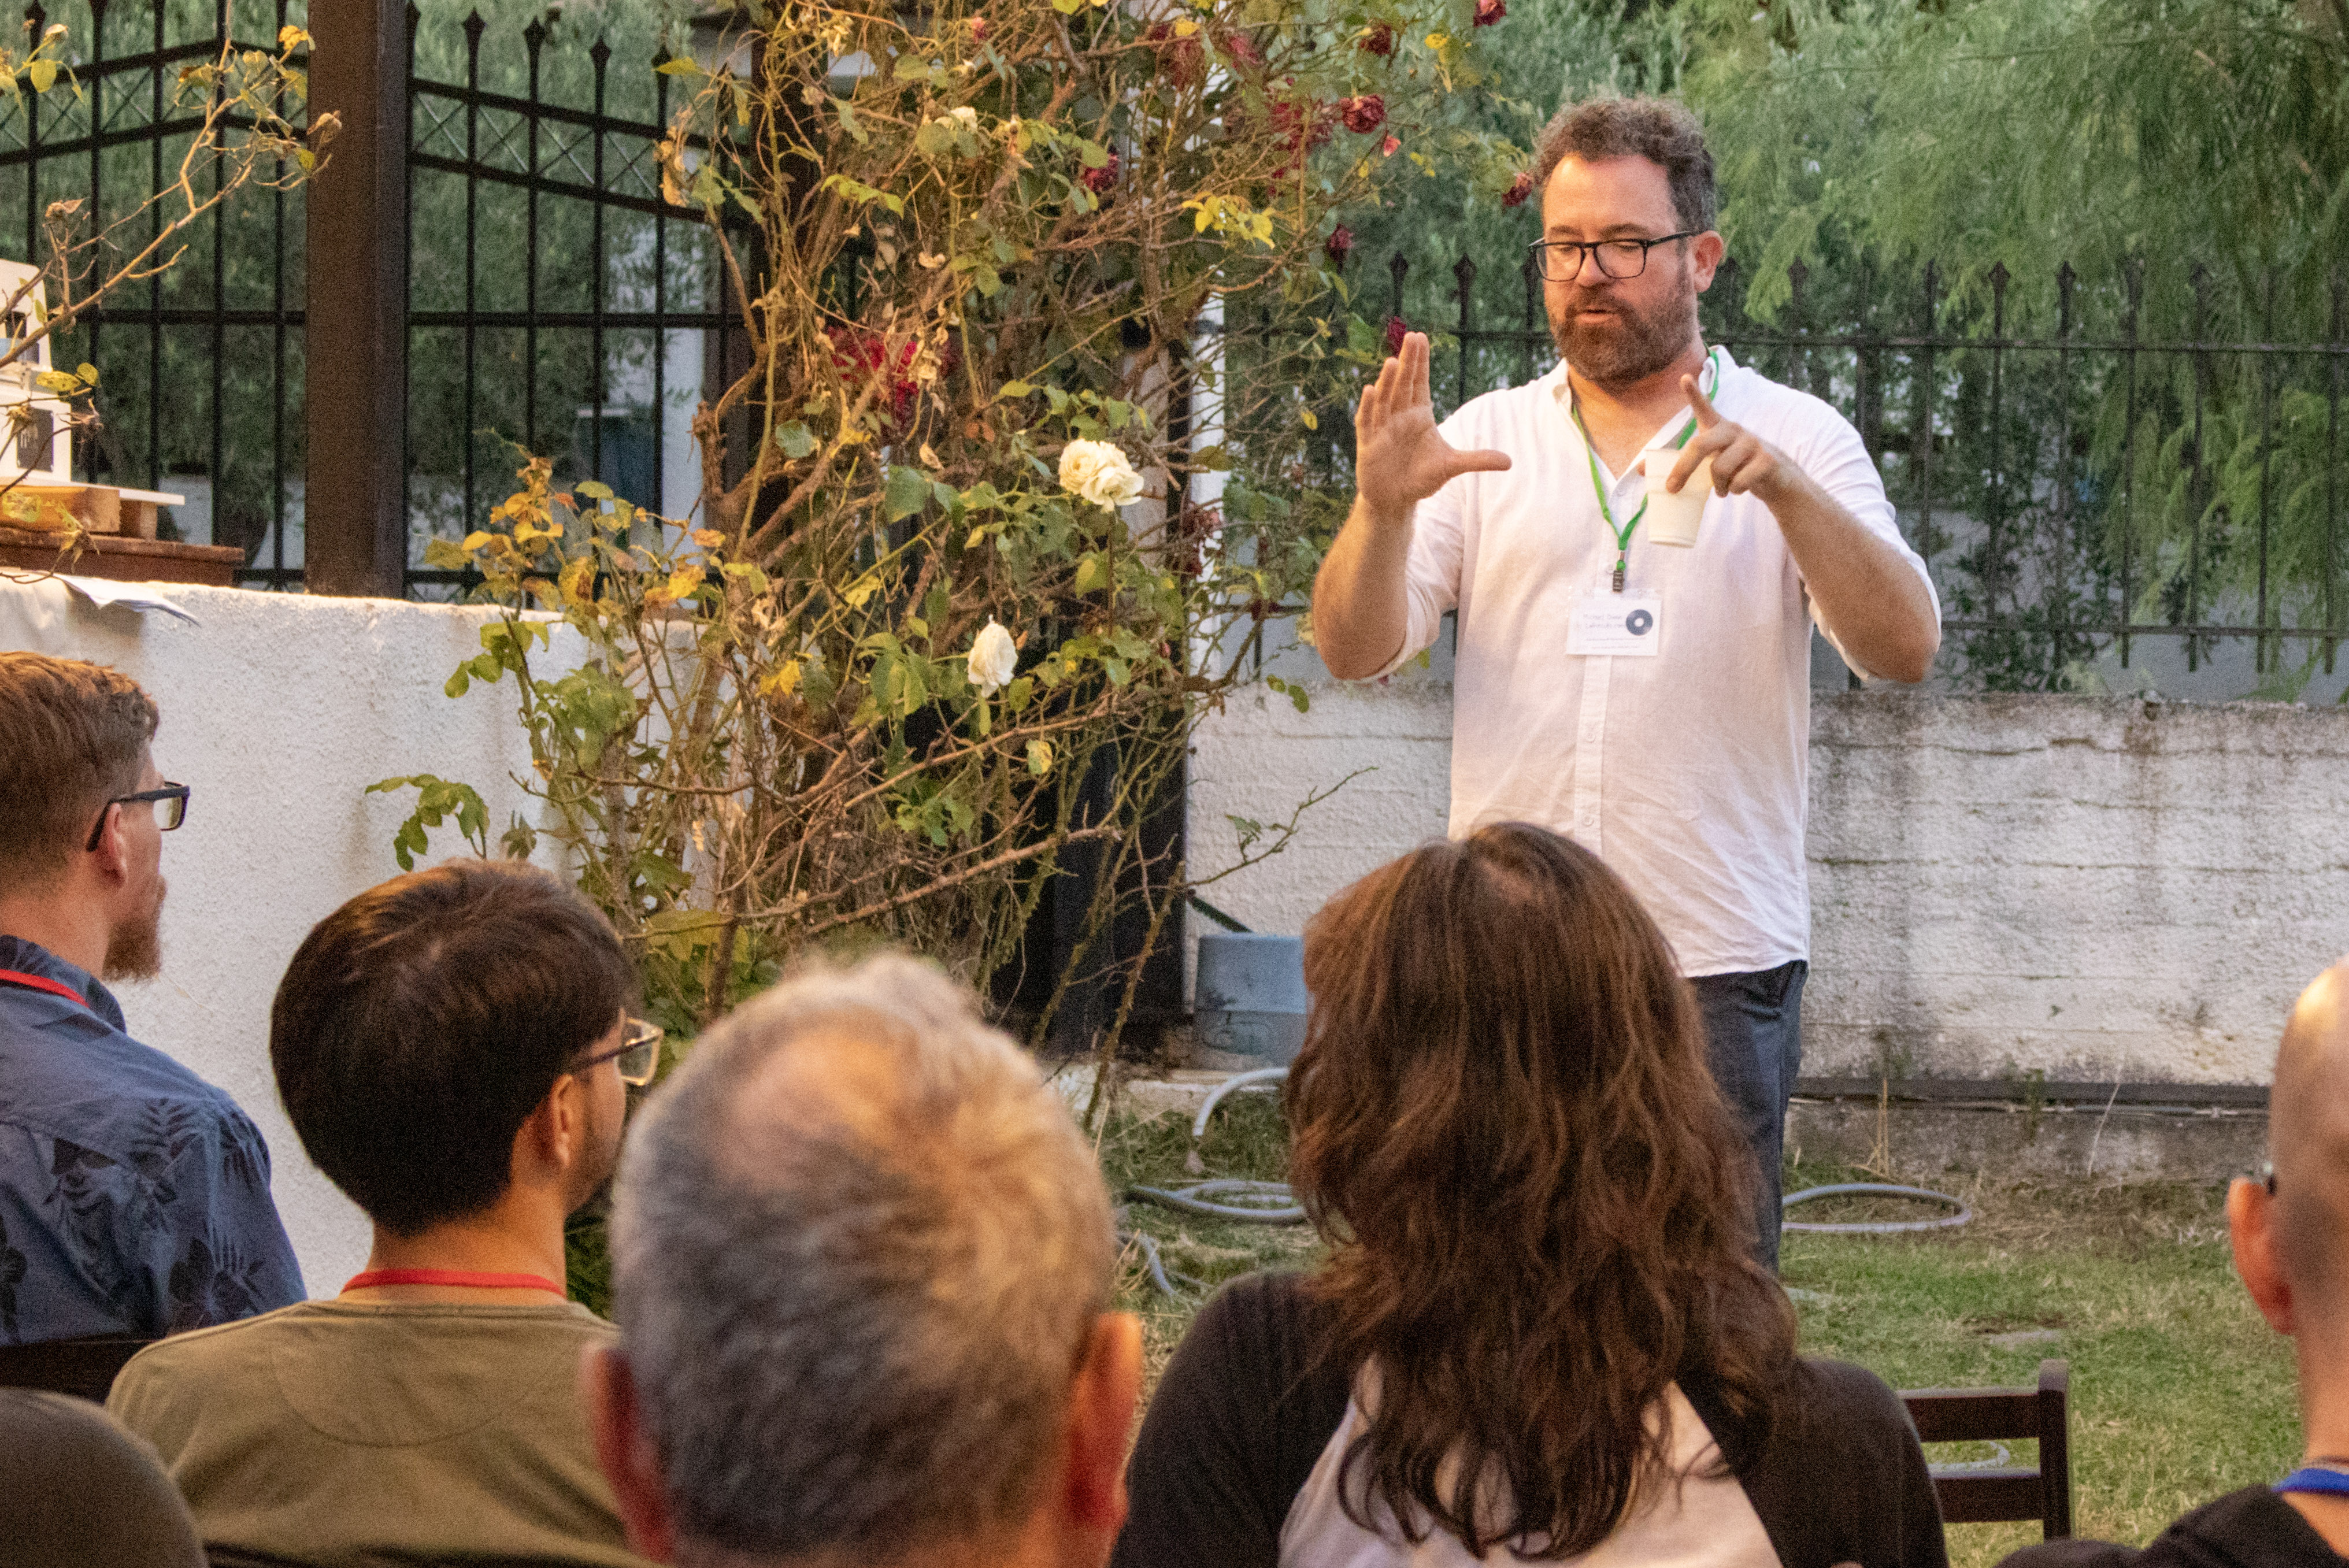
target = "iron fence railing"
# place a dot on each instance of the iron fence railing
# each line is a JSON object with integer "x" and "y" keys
{"x": 2078, "y": 481}
{"x": 585, "y": 286}
{"x": 201, "y": 383}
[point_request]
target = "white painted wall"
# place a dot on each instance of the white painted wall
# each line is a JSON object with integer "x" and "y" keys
{"x": 279, "y": 710}
{"x": 2091, "y": 887}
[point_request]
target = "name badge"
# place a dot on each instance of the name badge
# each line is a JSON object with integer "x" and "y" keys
{"x": 1621, "y": 626}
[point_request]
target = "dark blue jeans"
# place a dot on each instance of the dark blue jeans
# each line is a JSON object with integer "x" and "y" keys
{"x": 1753, "y": 1038}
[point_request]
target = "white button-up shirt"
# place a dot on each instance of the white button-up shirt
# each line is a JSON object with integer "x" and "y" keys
{"x": 1686, "y": 771}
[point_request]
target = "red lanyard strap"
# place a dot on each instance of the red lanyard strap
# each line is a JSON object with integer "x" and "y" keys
{"x": 42, "y": 983}
{"x": 467, "y": 1277}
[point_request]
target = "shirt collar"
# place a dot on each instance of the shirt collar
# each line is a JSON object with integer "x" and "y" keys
{"x": 1554, "y": 380}
{"x": 1562, "y": 395}
{"x": 32, "y": 958}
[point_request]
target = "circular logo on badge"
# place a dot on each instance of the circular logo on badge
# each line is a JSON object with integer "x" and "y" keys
{"x": 1638, "y": 621}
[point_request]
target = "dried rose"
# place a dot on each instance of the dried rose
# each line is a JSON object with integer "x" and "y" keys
{"x": 1395, "y": 330}
{"x": 1363, "y": 114}
{"x": 1490, "y": 11}
{"x": 1339, "y": 244}
{"x": 1099, "y": 180}
{"x": 1391, "y": 146}
{"x": 1519, "y": 188}
{"x": 1378, "y": 40}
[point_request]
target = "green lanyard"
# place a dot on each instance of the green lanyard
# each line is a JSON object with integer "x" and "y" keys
{"x": 1598, "y": 487}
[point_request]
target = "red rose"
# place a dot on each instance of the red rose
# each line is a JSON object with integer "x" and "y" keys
{"x": 978, "y": 29}
{"x": 1380, "y": 40}
{"x": 1519, "y": 188}
{"x": 1099, "y": 180}
{"x": 860, "y": 356}
{"x": 1300, "y": 128}
{"x": 1241, "y": 46}
{"x": 1395, "y": 329}
{"x": 1181, "y": 60}
{"x": 1490, "y": 11}
{"x": 1339, "y": 244}
{"x": 1363, "y": 114}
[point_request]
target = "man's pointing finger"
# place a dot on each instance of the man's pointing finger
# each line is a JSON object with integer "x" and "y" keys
{"x": 1707, "y": 417}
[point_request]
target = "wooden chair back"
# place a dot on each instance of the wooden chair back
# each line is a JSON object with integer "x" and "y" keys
{"x": 83, "y": 1368}
{"x": 2040, "y": 1491}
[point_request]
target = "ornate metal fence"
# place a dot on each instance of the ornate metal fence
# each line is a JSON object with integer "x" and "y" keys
{"x": 2082, "y": 485}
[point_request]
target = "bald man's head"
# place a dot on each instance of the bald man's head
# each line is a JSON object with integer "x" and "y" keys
{"x": 2308, "y": 1135}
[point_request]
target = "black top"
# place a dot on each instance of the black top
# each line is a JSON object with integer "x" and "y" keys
{"x": 1244, "y": 1413}
{"x": 81, "y": 1492}
{"x": 2252, "y": 1528}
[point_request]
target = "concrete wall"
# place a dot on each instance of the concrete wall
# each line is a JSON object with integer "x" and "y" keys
{"x": 2096, "y": 889}
{"x": 279, "y": 710}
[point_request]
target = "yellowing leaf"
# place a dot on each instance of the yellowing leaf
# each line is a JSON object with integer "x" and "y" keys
{"x": 43, "y": 74}
{"x": 709, "y": 538}
{"x": 784, "y": 681}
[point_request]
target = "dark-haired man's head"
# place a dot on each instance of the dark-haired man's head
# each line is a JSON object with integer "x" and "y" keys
{"x": 430, "y": 1039}
{"x": 81, "y": 867}
{"x": 1627, "y": 168}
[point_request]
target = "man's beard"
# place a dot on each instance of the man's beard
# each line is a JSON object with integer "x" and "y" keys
{"x": 135, "y": 949}
{"x": 1634, "y": 347}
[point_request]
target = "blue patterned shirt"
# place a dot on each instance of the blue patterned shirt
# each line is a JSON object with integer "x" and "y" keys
{"x": 134, "y": 1196}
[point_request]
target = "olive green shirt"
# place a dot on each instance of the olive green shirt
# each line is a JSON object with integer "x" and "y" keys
{"x": 348, "y": 1435}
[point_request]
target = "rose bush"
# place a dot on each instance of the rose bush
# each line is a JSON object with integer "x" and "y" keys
{"x": 950, "y": 604}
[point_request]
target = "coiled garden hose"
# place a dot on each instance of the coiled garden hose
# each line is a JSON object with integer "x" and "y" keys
{"x": 1874, "y": 1227}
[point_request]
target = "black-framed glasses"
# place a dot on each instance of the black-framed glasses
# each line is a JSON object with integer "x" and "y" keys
{"x": 1561, "y": 260}
{"x": 638, "y": 1054}
{"x": 171, "y": 810}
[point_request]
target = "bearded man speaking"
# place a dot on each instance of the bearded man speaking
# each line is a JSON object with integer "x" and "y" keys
{"x": 1629, "y": 671}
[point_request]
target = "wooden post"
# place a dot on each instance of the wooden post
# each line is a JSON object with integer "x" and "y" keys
{"x": 356, "y": 332}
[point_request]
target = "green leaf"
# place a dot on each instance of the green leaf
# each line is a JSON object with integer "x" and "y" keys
{"x": 1015, "y": 390}
{"x": 909, "y": 492}
{"x": 594, "y": 490}
{"x": 794, "y": 439}
{"x": 88, "y": 373}
{"x": 457, "y": 684}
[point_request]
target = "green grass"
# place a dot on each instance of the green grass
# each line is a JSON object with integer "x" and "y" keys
{"x": 2179, "y": 1391}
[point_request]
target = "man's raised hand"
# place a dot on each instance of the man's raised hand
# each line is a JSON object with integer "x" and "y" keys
{"x": 1742, "y": 462}
{"x": 1400, "y": 456}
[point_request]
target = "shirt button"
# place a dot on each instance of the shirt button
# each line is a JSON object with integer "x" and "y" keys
{"x": 1590, "y": 819}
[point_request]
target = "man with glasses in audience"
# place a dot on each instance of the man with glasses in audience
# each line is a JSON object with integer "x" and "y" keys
{"x": 454, "y": 1050}
{"x": 1646, "y": 695}
{"x": 134, "y": 1196}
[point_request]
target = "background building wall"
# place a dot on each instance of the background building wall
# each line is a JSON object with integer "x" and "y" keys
{"x": 2090, "y": 888}
{"x": 280, "y": 710}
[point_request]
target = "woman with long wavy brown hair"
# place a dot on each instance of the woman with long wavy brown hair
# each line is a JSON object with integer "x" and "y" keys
{"x": 1539, "y": 1331}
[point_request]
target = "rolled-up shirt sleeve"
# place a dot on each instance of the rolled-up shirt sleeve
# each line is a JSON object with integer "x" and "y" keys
{"x": 1836, "y": 459}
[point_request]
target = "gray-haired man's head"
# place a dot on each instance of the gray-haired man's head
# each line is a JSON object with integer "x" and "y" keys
{"x": 862, "y": 1258}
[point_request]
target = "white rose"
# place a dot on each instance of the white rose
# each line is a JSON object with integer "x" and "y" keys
{"x": 1099, "y": 471}
{"x": 965, "y": 115}
{"x": 992, "y": 658}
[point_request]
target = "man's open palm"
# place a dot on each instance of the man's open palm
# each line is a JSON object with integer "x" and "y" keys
{"x": 1400, "y": 458}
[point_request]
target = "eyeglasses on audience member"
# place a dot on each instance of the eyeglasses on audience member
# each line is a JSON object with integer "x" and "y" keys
{"x": 171, "y": 810}
{"x": 638, "y": 1053}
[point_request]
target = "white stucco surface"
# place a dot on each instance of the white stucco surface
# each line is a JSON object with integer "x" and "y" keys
{"x": 2096, "y": 889}
{"x": 280, "y": 710}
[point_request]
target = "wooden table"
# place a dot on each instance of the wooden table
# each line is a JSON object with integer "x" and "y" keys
{"x": 122, "y": 558}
